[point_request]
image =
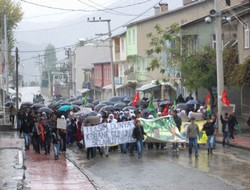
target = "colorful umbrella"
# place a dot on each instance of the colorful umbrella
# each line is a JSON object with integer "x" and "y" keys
{"x": 65, "y": 108}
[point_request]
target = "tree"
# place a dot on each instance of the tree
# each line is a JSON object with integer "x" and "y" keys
{"x": 50, "y": 57}
{"x": 14, "y": 15}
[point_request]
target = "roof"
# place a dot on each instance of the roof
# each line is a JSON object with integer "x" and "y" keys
{"x": 117, "y": 86}
{"x": 147, "y": 87}
{"x": 243, "y": 9}
{"x": 168, "y": 12}
{"x": 101, "y": 63}
{"x": 119, "y": 34}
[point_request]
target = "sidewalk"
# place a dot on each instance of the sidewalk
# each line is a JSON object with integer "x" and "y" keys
{"x": 240, "y": 141}
{"x": 42, "y": 171}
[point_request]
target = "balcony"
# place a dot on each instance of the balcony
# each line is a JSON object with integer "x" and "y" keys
{"x": 118, "y": 80}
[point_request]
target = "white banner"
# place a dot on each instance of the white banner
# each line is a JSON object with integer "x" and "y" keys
{"x": 108, "y": 134}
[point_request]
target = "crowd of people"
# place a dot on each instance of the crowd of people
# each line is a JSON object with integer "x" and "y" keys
{"x": 40, "y": 130}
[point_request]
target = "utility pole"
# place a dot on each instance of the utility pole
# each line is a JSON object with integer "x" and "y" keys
{"x": 219, "y": 60}
{"x": 6, "y": 55}
{"x": 111, "y": 51}
{"x": 17, "y": 79}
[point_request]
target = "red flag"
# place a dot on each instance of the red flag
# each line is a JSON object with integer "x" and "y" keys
{"x": 224, "y": 98}
{"x": 208, "y": 99}
{"x": 136, "y": 99}
{"x": 165, "y": 111}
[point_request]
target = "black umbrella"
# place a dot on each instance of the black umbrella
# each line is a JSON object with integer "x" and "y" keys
{"x": 96, "y": 102}
{"x": 71, "y": 99}
{"x": 45, "y": 109}
{"x": 127, "y": 99}
{"x": 108, "y": 108}
{"x": 59, "y": 102}
{"x": 120, "y": 106}
{"x": 192, "y": 102}
{"x": 37, "y": 106}
{"x": 182, "y": 106}
{"x": 89, "y": 105}
{"x": 25, "y": 105}
{"x": 128, "y": 108}
{"x": 78, "y": 102}
{"x": 106, "y": 102}
{"x": 76, "y": 108}
{"x": 98, "y": 107}
{"x": 165, "y": 102}
{"x": 9, "y": 103}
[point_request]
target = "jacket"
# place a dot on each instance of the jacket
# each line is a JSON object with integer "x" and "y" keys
{"x": 208, "y": 127}
{"x": 138, "y": 133}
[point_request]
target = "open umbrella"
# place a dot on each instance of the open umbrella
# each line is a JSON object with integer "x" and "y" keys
{"x": 71, "y": 99}
{"x": 25, "y": 105}
{"x": 106, "y": 102}
{"x": 45, "y": 109}
{"x": 65, "y": 108}
{"x": 128, "y": 108}
{"x": 59, "y": 102}
{"x": 127, "y": 99}
{"x": 78, "y": 102}
{"x": 108, "y": 108}
{"x": 120, "y": 106}
{"x": 37, "y": 106}
{"x": 89, "y": 105}
{"x": 9, "y": 103}
{"x": 165, "y": 102}
{"x": 96, "y": 102}
{"x": 98, "y": 107}
{"x": 192, "y": 102}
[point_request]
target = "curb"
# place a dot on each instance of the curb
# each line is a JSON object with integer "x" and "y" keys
{"x": 236, "y": 146}
{"x": 81, "y": 170}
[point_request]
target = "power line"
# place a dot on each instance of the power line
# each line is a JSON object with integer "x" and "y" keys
{"x": 38, "y": 16}
{"x": 84, "y": 10}
{"x": 95, "y": 38}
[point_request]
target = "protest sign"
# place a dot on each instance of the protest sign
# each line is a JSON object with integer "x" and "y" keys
{"x": 161, "y": 129}
{"x": 61, "y": 123}
{"x": 107, "y": 134}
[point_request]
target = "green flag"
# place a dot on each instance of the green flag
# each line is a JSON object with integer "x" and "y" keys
{"x": 151, "y": 107}
{"x": 174, "y": 104}
{"x": 85, "y": 99}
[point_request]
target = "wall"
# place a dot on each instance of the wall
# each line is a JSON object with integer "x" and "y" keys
{"x": 132, "y": 40}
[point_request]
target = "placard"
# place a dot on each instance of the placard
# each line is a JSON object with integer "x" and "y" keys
{"x": 61, "y": 123}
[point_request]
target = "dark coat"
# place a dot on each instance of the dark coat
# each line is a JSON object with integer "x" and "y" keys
{"x": 136, "y": 133}
{"x": 208, "y": 127}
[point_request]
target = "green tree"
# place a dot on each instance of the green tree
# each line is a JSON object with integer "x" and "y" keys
{"x": 50, "y": 57}
{"x": 14, "y": 15}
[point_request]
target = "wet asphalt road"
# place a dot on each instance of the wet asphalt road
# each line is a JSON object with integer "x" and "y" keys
{"x": 159, "y": 169}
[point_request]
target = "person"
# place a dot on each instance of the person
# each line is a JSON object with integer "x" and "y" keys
{"x": 123, "y": 146}
{"x": 248, "y": 121}
{"x": 208, "y": 127}
{"x": 63, "y": 137}
{"x": 232, "y": 121}
{"x": 90, "y": 150}
{"x": 180, "y": 99}
{"x": 36, "y": 135}
{"x": 26, "y": 130}
{"x": 138, "y": 135}
{"x": 190, "y": 97}
{"x": 225, "y": 130}
{"x": 192, "y": 134}
{"x": 13, "y": 112}
{"x": 56, "y": 142}
{"x": 178, "y": 123}
{"x": 105, "y": 149}
{"x": 132, "y": 145}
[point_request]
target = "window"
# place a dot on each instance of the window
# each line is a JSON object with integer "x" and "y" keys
{"x": 122, "y": 45}
{"x": 133, "y": 36}
{"x": 246, "y": 36}
{"x": 129, "y": 37}
{"x": 214, "y": 41}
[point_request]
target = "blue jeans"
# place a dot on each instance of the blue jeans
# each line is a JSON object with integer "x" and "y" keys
{"x": 56, "y": 149}
{"x": 123, "y": 147}
{"x": 139, "y": 144}
{"x": 26, "y": 139}
{"x": 193, "y": 142}
{"x": 226, "y": 135}
{"x": 210, "y": 141}
{"x": 175, "y": 146}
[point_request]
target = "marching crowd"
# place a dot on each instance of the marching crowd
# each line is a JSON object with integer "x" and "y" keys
{"x": 40, "y": 130}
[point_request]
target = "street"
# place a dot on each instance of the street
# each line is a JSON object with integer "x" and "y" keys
{"x": 160, "y": 169}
